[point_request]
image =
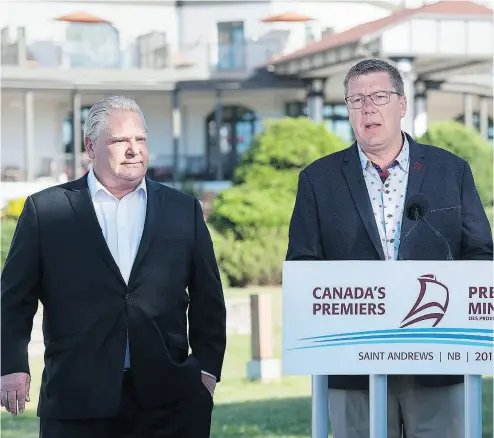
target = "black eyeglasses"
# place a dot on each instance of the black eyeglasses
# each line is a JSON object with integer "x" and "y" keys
{"x": 379, "y": 98}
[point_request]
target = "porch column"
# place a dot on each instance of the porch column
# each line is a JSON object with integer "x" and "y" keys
{"x": 420, "y": 110}
{"x": 315, "y": 99}
{"x": 29, "y": 134}
{"x": 176, "y": 135}
{"x": 76, "y": 134}
{"x": 468, "y": 110}
{"x": 484, "y": 117}
{"x": 218, "y": 122}
{"x": 405, "y": 67}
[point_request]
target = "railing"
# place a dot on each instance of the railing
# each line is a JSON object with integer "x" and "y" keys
{"x": 238, "y": 57}
{"x": 190, "y": 167}
{"x": 56, "y": 167}
{"x": 195, "y": 59}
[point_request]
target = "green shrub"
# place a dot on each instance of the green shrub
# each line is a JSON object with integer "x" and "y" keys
{"x": 490, "y": 215}
{"x": 219, "y": 249}
{"x": 252, "y": 261}
{"x": 265, "y": 181}
{"x": 468, "y": 144}
{"x": 251, "y": 218}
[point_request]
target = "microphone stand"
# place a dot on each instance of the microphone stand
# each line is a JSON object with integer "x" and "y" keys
{"x": 438, "y": 234}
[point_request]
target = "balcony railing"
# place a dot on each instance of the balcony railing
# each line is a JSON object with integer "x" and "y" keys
{"x": 194, "y": 60}
{"x": 232, "y": 58}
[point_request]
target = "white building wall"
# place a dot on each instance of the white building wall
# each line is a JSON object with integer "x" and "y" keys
{"x": 131, "y": 20}
{"x": 47, "y": 130}
{"x": 335, "y": 15}
{"x": 198, "y": 23}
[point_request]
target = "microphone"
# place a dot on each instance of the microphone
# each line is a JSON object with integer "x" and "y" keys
{"x": 416, "y": 209}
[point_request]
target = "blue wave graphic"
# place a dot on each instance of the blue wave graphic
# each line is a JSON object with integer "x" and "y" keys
{"x": 412, "y": 335}
{"x": 401, "y": 331}
{"x": 397, "y": 341}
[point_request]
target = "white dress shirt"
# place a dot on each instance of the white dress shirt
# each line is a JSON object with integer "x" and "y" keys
{"x": 122, "y": 223}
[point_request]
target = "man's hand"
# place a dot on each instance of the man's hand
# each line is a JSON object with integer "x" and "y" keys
{"x": 15, "y": 391}
{"x": 209, "y": 382}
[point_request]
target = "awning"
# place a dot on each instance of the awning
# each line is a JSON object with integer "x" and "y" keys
{"x": 291, "y": 17}
{"x": 81, "y": 17}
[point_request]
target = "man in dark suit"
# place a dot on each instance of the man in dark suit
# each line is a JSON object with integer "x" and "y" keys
{"x": 117, "y": 260}
{"x": 350, "y": 205}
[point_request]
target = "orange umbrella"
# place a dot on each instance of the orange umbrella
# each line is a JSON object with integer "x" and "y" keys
{"x": 293, "y": 17}
{"x": 81, "y": 17}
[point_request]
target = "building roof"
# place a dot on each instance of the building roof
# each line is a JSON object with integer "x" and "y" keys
{"x": 446, "y": 8}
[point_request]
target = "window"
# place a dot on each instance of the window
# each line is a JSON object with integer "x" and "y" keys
{"x": 335, "y": 117}
{"x": 152, "y": 50}
{"x": 239, "y": 127}
{"x": 231, "y": 46}
{"x": 68, "y": 136}
{"x": 92, "y": 45}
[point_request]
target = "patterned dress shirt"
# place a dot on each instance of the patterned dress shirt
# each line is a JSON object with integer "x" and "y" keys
{"x": 387, "y": 189}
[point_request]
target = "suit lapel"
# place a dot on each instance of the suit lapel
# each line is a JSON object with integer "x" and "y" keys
{"x": 352, "y": 170}
{"x": 416, "y": 174}
{"x": 154, "y": 203}
{"x": 80, "y": 200}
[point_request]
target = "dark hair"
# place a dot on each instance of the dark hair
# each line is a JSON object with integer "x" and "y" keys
{"x": 368, "y": 66}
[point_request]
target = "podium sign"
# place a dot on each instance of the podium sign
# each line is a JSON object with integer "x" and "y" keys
{"x": 396, "y": 317}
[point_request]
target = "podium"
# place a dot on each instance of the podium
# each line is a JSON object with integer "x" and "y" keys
{"x": 392, "y": 318}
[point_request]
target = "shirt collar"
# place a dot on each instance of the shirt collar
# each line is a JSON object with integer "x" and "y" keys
{"x": 96, "y": 187}
{"x": 402, "y": 158}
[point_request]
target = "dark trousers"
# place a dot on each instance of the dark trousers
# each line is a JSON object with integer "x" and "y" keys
{"x": 190, "y": 419}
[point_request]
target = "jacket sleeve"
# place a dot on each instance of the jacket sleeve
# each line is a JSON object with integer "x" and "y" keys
{"x": 476, "y": 241}
{"x": 207, "y": 312}
{"x": 20, "y": 287}
{"x": 304, "y": 236}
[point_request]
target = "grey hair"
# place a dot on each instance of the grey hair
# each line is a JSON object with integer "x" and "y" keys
{"x": 368, "y": 66}
{"x": 97, "y": 119}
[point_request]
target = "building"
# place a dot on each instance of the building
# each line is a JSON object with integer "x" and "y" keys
{"x": 208, "y": 73}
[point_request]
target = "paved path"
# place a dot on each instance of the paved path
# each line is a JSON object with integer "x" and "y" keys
{"x": 36, "y": 346}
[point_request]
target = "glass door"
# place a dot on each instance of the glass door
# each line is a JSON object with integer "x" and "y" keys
{"x": 231, "y": 46}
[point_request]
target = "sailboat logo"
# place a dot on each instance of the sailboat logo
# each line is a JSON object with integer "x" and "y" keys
{"x": 431, "y": 303}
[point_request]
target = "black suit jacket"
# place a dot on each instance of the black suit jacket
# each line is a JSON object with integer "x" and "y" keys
{"x": 333, "y": 219}
{"x": 59, "y": 257}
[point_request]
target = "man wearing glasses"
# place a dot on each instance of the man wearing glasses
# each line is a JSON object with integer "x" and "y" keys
{"x": 350, "y": 206}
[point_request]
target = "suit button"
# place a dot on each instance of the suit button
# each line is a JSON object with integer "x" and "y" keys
{"x": 128, "y": 296}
